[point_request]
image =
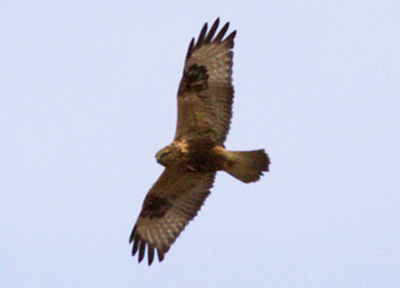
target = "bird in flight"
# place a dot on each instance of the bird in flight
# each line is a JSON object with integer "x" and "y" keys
{"x": 197, "y": 152}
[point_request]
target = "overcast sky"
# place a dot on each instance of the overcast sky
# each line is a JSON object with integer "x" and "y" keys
{"x": 88, "y": 96}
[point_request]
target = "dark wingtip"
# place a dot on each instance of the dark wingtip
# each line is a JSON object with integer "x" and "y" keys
{"x": 205, "y": 37}
{"x": 211, "y": 33}
{"x": 140, "y": 245}
{"x": 160, "y": 255}
{"x": 230, "y": 39}
{"x": 132, "y": 236}
{"x": 135, "y": 247}
{"x": 150, "y": 254}
{"x": 202, "y": 34}
{"x": 142, "y": 249}
{"x": 190, "y": 49}
{"x": 135, "y": 239}
{"x": 221, "y": 33}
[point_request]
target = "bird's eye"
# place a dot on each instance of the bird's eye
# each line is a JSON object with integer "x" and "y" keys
{"x": 166, "y": 153}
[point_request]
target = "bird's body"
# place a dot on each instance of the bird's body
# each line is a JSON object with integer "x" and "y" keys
{"x": 205, "y": 98}
{"x": 200, "y": 155}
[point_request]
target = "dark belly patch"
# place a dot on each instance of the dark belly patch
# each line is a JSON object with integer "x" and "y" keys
{"x": 202, "y": 158}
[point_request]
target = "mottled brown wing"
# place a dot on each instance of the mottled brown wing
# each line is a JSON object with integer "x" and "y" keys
{"x": 170, "y": 204}
{"x": 205, "y": 93}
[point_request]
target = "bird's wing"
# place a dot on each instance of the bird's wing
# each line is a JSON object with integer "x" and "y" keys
{"x": 205, "y": 93}
{"x": 170, "y": 204}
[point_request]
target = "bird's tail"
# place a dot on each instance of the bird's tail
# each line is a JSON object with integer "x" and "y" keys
{"x": 247, "y": 166}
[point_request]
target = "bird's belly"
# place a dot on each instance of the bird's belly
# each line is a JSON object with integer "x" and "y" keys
{"x": 205, "y": 160}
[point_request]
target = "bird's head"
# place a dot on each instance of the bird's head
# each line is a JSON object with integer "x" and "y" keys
{"x": 164, "y": 156}
{"x": 171, "y": 155}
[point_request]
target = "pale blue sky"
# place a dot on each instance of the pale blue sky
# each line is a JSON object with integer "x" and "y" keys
{"x": 88, "y": 96}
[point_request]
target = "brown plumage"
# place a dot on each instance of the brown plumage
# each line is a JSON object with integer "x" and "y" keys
{"x": 191, "y": 161}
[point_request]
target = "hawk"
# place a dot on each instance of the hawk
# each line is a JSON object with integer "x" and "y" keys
{"x": 197, "y": 152}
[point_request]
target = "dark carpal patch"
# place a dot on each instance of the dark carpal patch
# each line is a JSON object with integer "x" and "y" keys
{"x": 155, "y": 207}
{"x": 195, "y": 78}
